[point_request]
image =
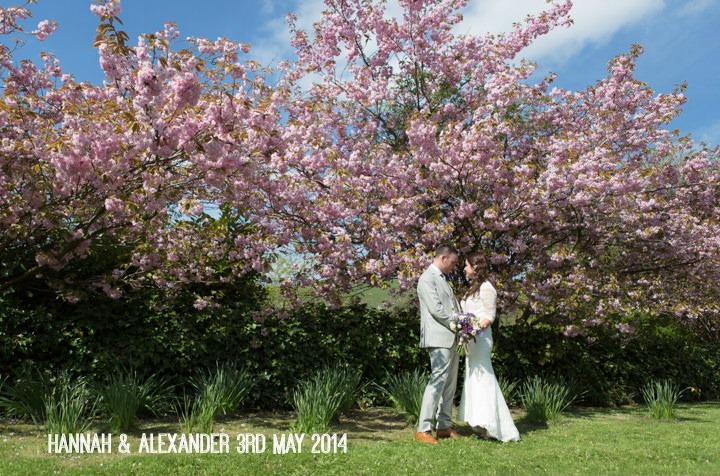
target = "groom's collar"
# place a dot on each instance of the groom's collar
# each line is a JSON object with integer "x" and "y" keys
{"x": 437, "y": 270}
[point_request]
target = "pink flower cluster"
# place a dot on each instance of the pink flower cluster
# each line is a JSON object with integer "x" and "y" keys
{"x": 384, "y": 137}
{"x": 44, "y": 29}
{"x": 107, "y": 8}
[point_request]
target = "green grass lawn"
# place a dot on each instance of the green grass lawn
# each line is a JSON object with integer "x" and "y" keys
{"x": 584, "y": 441}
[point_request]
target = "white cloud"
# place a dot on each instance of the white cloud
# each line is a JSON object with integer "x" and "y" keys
{"x": 709, "y": 134}
{"x": 393, "y": 9}
{"x": 595, "y": 22}
{"x": 274, "y": 46}
{"x": 268, "y": 6}
{"x": 694, "y": 7}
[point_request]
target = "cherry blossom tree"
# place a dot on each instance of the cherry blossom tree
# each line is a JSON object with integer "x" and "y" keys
{"x": 410, "y": 135}
{"x": 382, "y": 138}
{"x": 129, "y": 164}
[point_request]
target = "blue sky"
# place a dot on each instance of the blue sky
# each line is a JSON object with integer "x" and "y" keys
{"x": 680, "y": 38}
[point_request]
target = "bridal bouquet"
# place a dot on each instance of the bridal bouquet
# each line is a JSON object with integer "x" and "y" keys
{"x": 468, "y": 327}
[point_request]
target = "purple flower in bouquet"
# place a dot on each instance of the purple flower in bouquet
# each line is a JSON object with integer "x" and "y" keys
{"x": 468, "y": 327}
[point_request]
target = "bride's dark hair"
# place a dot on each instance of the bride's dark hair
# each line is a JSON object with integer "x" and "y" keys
{"x": 479, "y": 263}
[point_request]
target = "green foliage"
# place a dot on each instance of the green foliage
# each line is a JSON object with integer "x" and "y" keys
{"x": 69, "y": 408}
{"x": 606, "y": 366}
{"x": 3, "y": 379}
{"x": 315, "y": 403}
{"x": 147, "y": 327}
{"x": 223, "y": 388}
{"x": 148, "y": 330}
{"x": 405, "y": 391}
{"x": 661, "y": 397}
{"x": 286, "y": 348}
{"x": 320, "y": 399}
{"x": 120, "y": 399}
{"x": 197, "y": 415}
{"x": 544, "y": 400}
{"x": 25, "y": 398}
{"x": 347, "y": 381}
{"x": 125, "y": 394}
{"x": 219, "y": 390}
{"x": 157, "y": 396}
{"x": 151, "y": 329}
{"x": 508, "y": 388}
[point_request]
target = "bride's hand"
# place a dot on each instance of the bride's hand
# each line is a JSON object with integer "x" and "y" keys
{"x": 485, "y": 324}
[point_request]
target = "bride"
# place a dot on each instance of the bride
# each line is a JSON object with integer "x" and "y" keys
{"x": 482, "y": 404}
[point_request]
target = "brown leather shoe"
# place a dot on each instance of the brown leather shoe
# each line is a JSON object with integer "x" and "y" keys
{"x": 448, "y": 433}
{"x": 425, "y": 437}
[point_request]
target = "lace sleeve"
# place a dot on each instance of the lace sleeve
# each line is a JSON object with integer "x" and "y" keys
{"x": 488, "y": 301}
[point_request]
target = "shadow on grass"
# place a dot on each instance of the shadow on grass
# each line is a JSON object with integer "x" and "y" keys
{"x": 15, "y": 427}
{"x": 374, "y": 424}
{"x": 387, "y": 424}
{"x": 378, "y": 424}
{"x": 256, "y": 422}
{"x": 634, "y": 411}
{"x": 259, "y": 421}
{"x": 525, "y": 426}
{"x": 595, "y": 412}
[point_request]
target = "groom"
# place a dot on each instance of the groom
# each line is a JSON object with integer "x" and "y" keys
{"x": 438, "y": 308}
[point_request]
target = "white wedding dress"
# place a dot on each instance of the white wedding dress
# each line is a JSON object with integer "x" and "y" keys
{"x": 482, "y": 403}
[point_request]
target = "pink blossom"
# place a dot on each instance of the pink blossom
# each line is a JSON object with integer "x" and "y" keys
{"x": 106, "y": 9}
{"x": 44, "y": 29}
{"x": 571, "y": 331}
{"x": 362, "y": 156}
{"x": 185, "y": 89}
{"x": 115, "y": 206}
{"x": 625, "y": 328}
{"x": 200, "y": 304}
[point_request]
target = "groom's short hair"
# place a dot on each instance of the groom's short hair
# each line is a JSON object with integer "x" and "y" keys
{"x": 445, "y": 250}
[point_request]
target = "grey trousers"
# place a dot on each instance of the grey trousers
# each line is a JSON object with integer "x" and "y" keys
{"x": 440, "y": 391}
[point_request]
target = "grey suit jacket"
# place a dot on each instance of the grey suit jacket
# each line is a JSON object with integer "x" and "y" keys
{"x": 437, "y": 309}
